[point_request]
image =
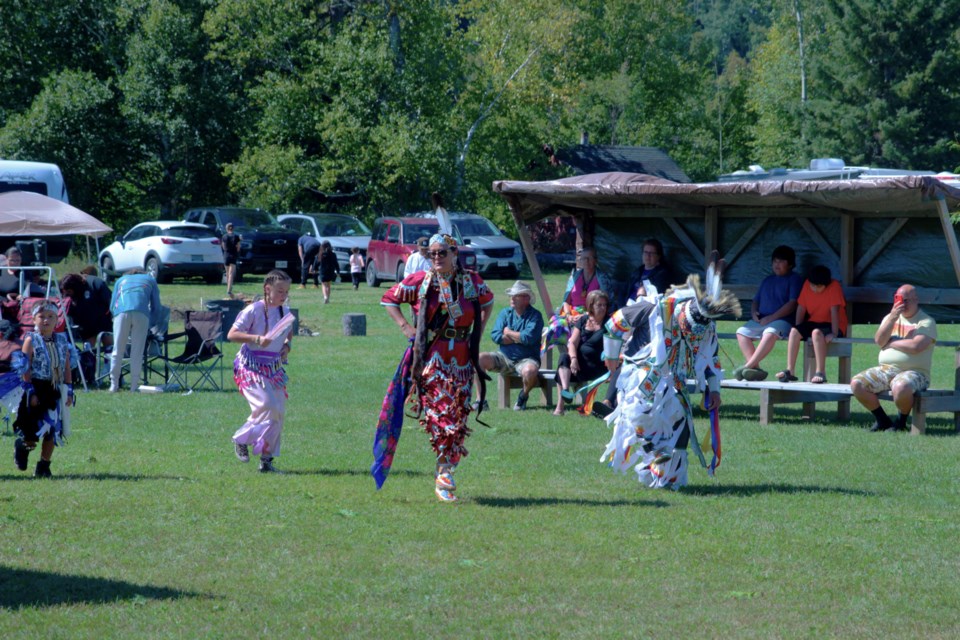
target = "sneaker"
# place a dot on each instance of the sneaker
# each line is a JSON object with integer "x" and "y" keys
{"x": 521, "y": 402}
{"x": 877, "y": 426}
{"x": 266, "y": 466}
{"x": 445, "y": 496}
{"x": 43, "y": 469}
{"x": 476, "y": 405}
{"x": 445, "y": 481}
{"x": 20, "y": 454}
{"x": 242, "y": 451}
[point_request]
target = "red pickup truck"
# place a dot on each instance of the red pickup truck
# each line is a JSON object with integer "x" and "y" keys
{"x": 393, "y": 240}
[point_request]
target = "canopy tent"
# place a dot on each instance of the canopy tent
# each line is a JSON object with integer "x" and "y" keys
{"x": 873, "y": 234}
{"x": 23, "y": 213}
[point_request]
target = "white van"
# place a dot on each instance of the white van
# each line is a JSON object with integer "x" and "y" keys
{"x": 46, "y": 179}
{"x": 38, "y": 177}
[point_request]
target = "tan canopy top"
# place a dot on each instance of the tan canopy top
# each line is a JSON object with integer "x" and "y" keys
{"x": 23, "y": 213}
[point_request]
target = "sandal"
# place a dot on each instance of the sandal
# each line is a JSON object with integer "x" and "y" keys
{"x": 786, "y": 376}
{"x": 819, "y": 378}
{"x": 558, "y": 413}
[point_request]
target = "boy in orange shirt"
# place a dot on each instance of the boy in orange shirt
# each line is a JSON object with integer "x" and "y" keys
{"x": 821, "y": 317}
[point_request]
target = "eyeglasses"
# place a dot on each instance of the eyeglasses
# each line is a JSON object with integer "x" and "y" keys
{"x": 437, "y": 254}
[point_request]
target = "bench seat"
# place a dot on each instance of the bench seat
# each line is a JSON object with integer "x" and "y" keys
{"x": 776, "y": 392}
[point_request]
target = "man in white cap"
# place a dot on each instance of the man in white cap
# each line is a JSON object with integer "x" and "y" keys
{"x": 418, "y": 260}
{"x": 517, "y": 330}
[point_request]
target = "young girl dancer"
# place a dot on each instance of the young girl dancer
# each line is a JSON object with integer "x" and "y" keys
{"x": 44, "y": 367}
{"x": 264, "y": 330}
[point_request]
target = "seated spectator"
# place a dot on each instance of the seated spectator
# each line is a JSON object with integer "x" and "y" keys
{"x": 517, "y": 331}
{"x": 581, "y": 282}
{"x": 906, "y": 337}
{"x": 773, "y": 312}
{"x": 10, "y": 278}
{"x": 653, "y": 271}
{"x": 90, "y": 306}
{"x": 821, "y": 317}
{"x": 583, "y": 360}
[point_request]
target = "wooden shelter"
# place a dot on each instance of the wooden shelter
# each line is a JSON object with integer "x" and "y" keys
{"x": 873, "y": 234}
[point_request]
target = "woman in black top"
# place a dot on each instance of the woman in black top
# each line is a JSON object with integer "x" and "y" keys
{"x": 10, "y": 280}
{"x": 583, "y": 360}
{"x": 329, "y": 268}
{"x": 230, "y": 245}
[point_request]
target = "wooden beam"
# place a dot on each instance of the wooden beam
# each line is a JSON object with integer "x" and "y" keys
{"x": 818, "y": 238}
{"x": 950, "y": 235}
{"x": 878, "y": 246}
{"x": 734, "y": 252}
{"x": 685, "y": 240}
{"x": 527, "y": 243}
{"x": 711, "y": 236}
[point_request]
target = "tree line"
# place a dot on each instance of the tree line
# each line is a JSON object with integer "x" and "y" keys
{"x": 367, "y": 106}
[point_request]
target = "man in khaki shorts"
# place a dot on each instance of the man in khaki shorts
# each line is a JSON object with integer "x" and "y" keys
{"x": 906, "y": 337}
{"x": 517, "y": 330}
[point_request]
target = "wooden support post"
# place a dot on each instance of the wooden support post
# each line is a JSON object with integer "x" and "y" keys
{"x": 527, "y": 243}
{"x": 949, "y": 235}
{"x": 711, "y": 232}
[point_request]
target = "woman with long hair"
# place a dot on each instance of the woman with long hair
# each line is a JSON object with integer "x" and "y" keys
{"x": 264, "y": 331}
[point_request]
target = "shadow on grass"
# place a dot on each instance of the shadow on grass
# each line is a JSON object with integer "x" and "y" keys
{"x": 352, "y": 472}
{"x": 747, "y": 491}
{"x": 27, "y": 588}
{"x": 122, "y": 477}
{"x": 512, "y": 503}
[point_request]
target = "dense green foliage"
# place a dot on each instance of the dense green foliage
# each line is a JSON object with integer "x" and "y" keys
{"x": 368, "y": 106}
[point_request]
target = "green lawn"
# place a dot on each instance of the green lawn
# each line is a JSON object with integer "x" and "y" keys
{"x": 152, "y": 529}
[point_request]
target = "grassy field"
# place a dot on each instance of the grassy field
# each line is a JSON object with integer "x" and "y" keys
{"x": 152, "y": 529}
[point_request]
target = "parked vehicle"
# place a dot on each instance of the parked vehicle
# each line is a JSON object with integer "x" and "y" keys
{"x": 342, "y": 231}
{"x": 166, "y": 249}
{"x": 496, "y": 253}
{"x": 264, "y": 244}
{"x": 47, "y": 180}
{"x": 394, "y": 238}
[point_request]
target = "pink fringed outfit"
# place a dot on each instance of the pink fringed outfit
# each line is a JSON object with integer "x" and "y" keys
{"x": 446, "y": 381}
{"x": 262, "y": 381}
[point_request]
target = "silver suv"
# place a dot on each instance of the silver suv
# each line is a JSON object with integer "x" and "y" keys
{"x": 344, "y": 233}
{"x": 496, "y": 253}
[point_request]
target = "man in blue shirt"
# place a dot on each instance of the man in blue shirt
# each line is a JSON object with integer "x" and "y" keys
{"x": 772, "y": 314}
{"x": 518, "y": 330}
{"x": 309, "y": 249}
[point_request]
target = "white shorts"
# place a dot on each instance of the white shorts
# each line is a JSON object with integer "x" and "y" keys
{"x": 755, "y": 330}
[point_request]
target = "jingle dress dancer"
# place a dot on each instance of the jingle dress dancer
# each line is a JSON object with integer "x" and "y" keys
{"x": 437, "y": 370}
{"x": 263, "y": 328}
{"x": 673, "y": 338}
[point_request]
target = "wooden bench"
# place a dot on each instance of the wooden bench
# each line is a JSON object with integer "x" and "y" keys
{"x": 505, "y": 383}
{"x": 774, "y": 392}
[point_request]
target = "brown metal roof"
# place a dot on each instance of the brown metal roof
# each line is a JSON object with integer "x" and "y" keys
{"x": 893, "y": 196}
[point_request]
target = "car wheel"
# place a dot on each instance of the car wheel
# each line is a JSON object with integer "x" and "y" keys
{"x": 400, "y": 268}
{"x": 372, "y": 279}
{"x": 154, "y": 268}
{"x": 106, "y": 268}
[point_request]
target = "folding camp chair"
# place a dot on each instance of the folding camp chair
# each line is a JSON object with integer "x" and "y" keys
{"x": 201, "y": 353}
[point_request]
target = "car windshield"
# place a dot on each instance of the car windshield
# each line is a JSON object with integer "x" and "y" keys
{"x": 251, "y": 219}
{"x": 477, "y": 227}
{"x": 340, "y": 226}
{"x": 188, "y": 233}
{"x": 414, "y": 230}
